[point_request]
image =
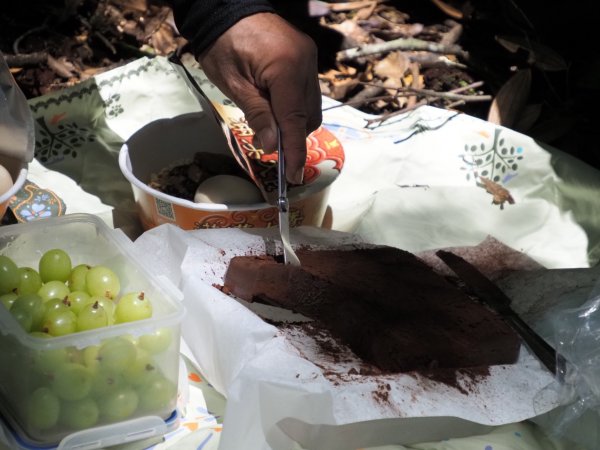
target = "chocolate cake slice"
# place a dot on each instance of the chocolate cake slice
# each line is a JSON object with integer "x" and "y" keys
{"x": 388, "y": 306}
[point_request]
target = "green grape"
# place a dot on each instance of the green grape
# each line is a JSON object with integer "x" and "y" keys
{"x": 158, "y": 394}
{"x": 72, "y": 381}
{"x": 8, "y": 299}
{"x": 119, "y": 404}
{"x": 156, "y": 342}
{"x": 56, "y": 304}
{"x": 92, "y": 316}
{"x": 116, "y": 354}
{"x": 75, "y": 355}
{"x": 42, "y": 409}
{"x": 39, "y": 334}
{"x": 78, "y": 300}
{"x": 50, "y": 360}
{"x": 9, "y": 275}
{"x": 103, "y": 282}
{"x": 76, "y": 280}
{"x": 90, "y": 357}
{"x": 30, "y": 281}
{"x": 106, "y": 382}
{"x": 79, "y": 414}
{"x": 60, "y": 323}
{"x": 33, "y": 304}
{"x": 141, "y": 370}
{"x": 23, "y": 317}
{"x": 53, "y": 289}
{"x": 54, "y": 265}
{"x": 108, "y": 305}
{"x": 133, "y": 306}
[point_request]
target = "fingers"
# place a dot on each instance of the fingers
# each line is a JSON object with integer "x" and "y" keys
{"x": 296, "y": 104}
{"x": 264, "y": 116}
{"x": 269, "y": 69}
{"x": 292, "y": 107}
{"x": 258, "y": 113}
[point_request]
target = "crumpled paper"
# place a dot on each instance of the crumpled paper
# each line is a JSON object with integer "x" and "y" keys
{"x": 275, "y": 383}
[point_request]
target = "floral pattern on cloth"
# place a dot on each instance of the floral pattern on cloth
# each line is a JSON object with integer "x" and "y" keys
{"x": 33, "y": 203}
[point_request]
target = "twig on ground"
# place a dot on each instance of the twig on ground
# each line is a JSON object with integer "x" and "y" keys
{"x": 454, "y": 94}
{"x": 453, "y": 35}
{"x": 432, "y": 60}
{"x": 410, "y": 44}
{"x": 448, "y": 9}
{"x": 367, "y": 94}
{"x": 404, "y": 91}
{"x": 317, "y": 8}
{"x": 26, "y": 59}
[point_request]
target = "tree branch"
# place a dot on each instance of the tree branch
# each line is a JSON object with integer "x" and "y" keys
{"x": 410, "y": 44}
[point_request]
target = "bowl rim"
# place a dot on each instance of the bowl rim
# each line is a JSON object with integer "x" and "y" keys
{"x": 18, "y": 183}
{"x": 125, "y": 166}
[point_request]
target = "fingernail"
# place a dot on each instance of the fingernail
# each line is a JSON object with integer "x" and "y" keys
{"x": 298, "y": 176}
{"x": 267, "y": 139}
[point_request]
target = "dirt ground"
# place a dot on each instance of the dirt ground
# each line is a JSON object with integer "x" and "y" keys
{"x": 527, "y": 65}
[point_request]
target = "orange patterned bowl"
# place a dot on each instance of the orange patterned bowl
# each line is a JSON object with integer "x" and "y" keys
{"x": 166, "y": 142}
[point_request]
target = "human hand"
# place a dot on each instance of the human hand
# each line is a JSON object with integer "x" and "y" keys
{"x": 269, "y": 69}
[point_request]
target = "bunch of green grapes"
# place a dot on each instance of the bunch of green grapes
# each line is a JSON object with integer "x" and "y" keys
{"x": 59, "y": 299}
{"x": 70, "y": 388}
{"x": 73, "y": 389}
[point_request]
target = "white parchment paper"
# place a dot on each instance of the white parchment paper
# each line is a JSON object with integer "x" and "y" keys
{"x": 278, "y": 385}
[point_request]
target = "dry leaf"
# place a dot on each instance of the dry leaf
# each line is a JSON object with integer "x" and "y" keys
{"x": 324, "y": 87}
{"x": 340, "y": 88}
{"x": 163, "y": 40}
{"x": 449, "y": 9}
{"x": 392, "y": 66}
{"x": 346, "y": 70}
{"x": 500, "y": 195}
{"x": 352, "y": 31}
{"x": 541, "y": 56}
{"x": 511, "y": 99}
{"x": 62, "y": 67}
{"x": 392, "y": 89}
{"x": 529, "y": 116}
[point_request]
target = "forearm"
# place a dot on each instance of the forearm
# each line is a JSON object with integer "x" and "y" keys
{"x": 201, "y": 22}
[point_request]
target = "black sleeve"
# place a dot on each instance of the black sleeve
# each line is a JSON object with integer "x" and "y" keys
{"x": 202, "y": 21}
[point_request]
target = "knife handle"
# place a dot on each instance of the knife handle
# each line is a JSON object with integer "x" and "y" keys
{"x": 544, "y": 351}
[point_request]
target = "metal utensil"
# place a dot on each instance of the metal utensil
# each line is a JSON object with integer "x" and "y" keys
{"x": 493, "y": 296}
{"x": 289, "y": 256}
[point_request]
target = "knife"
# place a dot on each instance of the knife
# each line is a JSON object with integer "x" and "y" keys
{"x": 492, "y": 295}
{"x": 289, "y": 256}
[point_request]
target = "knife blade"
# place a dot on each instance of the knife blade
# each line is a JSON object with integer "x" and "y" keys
{"x": 289, "y": 256}
{"x": 492, "y": 295}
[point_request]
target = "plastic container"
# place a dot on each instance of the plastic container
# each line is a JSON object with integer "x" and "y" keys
{"x": 125, "y": 379}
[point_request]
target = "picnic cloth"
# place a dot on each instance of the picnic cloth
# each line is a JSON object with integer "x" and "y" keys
{"x": 413, "y": 182}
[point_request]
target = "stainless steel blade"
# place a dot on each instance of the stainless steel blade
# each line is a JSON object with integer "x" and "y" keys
{"x": 491, "y": 295}
{"x": 289, "y": 256}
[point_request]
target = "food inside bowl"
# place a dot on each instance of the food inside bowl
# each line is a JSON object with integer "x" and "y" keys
{"x": 182, "y": 179}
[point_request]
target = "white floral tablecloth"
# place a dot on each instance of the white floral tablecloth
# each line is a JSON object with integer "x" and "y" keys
{"x": 414, "y": 182}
